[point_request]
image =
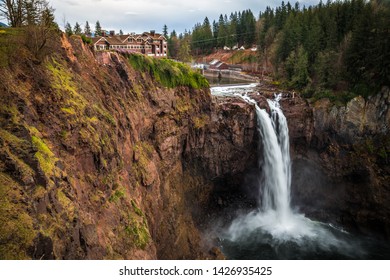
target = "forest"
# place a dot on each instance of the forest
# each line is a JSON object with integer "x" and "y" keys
{"x": 337, "y": 49}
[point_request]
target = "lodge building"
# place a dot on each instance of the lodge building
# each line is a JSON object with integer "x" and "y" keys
{"x": 148, "y": 43}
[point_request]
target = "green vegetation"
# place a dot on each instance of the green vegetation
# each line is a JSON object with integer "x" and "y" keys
{"x": 144, "y": 153}
{"x": 66, "y": 203}
{"x": 239, "y": 29}
{"x": 169, "y": 73}
{"x": 10, "y": 39}
{"x": 338, "y": 50}
{"x": 86, "y": 40}
{"x": 116, "y": 196}
{"x": 44, "y": 156}
{"x": 64, "y": 86}
{"x": 16, "y": 230}
{"x": 137, "y": 227}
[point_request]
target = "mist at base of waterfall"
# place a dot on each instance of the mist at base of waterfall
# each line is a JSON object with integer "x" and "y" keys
{"x": 259, "y": 235}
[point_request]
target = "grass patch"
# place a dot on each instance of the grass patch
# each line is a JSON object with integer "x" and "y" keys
{"x": 167, "y": 72}
{"x": 64, "y": 86}
{"x": 137, "y": 227}
{"x": 137, "y": 210}
{"x": 116, "y": 196}
{"x": 68, "y": 110}
{"x": 44, "y": 156}
{"x": 105, "y": 114}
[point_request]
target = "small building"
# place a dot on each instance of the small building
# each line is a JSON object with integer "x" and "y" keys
{"x": 218, "y": 65}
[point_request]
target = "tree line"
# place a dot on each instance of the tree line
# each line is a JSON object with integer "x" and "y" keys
{"x": 87, "y": 30}
{"x": 21, "y": 13}
{"x": 35, "y": 18}
{"x": 239, "y": 29}
{"x": 340, "y": 47}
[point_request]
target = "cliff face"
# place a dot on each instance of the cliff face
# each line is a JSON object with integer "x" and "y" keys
{"x": 102, "y": 161}
{"x": 341, "y": 161}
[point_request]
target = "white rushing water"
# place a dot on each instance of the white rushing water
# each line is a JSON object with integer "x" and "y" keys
{"x": 275, "y": 215}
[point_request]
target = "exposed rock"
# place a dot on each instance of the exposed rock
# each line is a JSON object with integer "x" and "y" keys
{"x": 100, "y": 161}
{"x": 340, "y": 167}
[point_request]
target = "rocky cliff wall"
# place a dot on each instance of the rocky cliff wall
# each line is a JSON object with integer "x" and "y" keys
{"x": 341, "y": 161}
{"x": 99, "y": 160}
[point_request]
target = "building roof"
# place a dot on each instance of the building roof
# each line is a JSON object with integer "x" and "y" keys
{"x": 214, "y": 62}
{"x": 154, "y": 36}
{"x": 146, "y": 37}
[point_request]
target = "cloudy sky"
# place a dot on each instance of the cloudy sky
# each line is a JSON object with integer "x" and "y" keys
{"x": 145, "y": 15}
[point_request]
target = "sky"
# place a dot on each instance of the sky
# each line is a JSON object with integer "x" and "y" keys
{"x": 139, "y": 16}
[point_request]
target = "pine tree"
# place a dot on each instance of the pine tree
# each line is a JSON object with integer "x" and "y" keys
{"x": 77, "y": 29}
{"x": 165, "y": 31}
{"x": 68, "y": 29}
{"x": 207, "y": 36}
{"x": 98, "y": 29}
{"x": 87, "y": 29}
{"x": 222, "y": 32}
{"x": 184, "y": 53}
{"x": 173, "y": 45}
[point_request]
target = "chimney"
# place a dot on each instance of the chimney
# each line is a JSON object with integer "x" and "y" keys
{"x": 152, "y": 32}
{"x": 112, "y": 32}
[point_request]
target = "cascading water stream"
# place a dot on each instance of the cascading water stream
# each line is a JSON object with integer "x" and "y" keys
{"x": 275, "y": 223}
{"x": 275, "y": 164}
{"x": 275, "y": 214}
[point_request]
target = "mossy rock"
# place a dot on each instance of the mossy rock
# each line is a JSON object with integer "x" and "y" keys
{"x": 16, "y": 231}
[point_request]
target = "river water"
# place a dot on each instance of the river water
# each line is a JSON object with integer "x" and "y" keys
{"x": 274, "y": 230}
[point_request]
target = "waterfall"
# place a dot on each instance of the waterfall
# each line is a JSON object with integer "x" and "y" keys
{"x": 275, "y": 223}
{"x": 275, "y": 213}
{"x": 275, "y": 162}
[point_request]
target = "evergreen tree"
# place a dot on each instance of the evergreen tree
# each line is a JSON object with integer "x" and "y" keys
{"x": 173, "y": 45}
{"x": 222, "y": 32}
{"x": 77, "y": 29}
{"x": 87, "y": 29}
{"x": 207, "y": 36}
{"x": 98, "y": 29}
{"x": 231, "y": 30}
{"x": 215, "y": 33}
{"x": 68, "y": 29}
{"x": 184, "y": 53}
{"x": 165, "y": 31}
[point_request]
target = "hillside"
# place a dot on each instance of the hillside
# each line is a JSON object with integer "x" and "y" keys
{"x": 103, "y": 156}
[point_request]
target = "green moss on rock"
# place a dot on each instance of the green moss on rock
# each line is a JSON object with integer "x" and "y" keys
{"x": 167, "y": 72}
{"x": 16, "y": 230}
{"x": 44, "y": 156}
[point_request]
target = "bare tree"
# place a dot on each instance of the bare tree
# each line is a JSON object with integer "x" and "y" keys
{"x": 20, "y": 13}
{"x": 39, "y": 33}
{"x": 12, "y": 11}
